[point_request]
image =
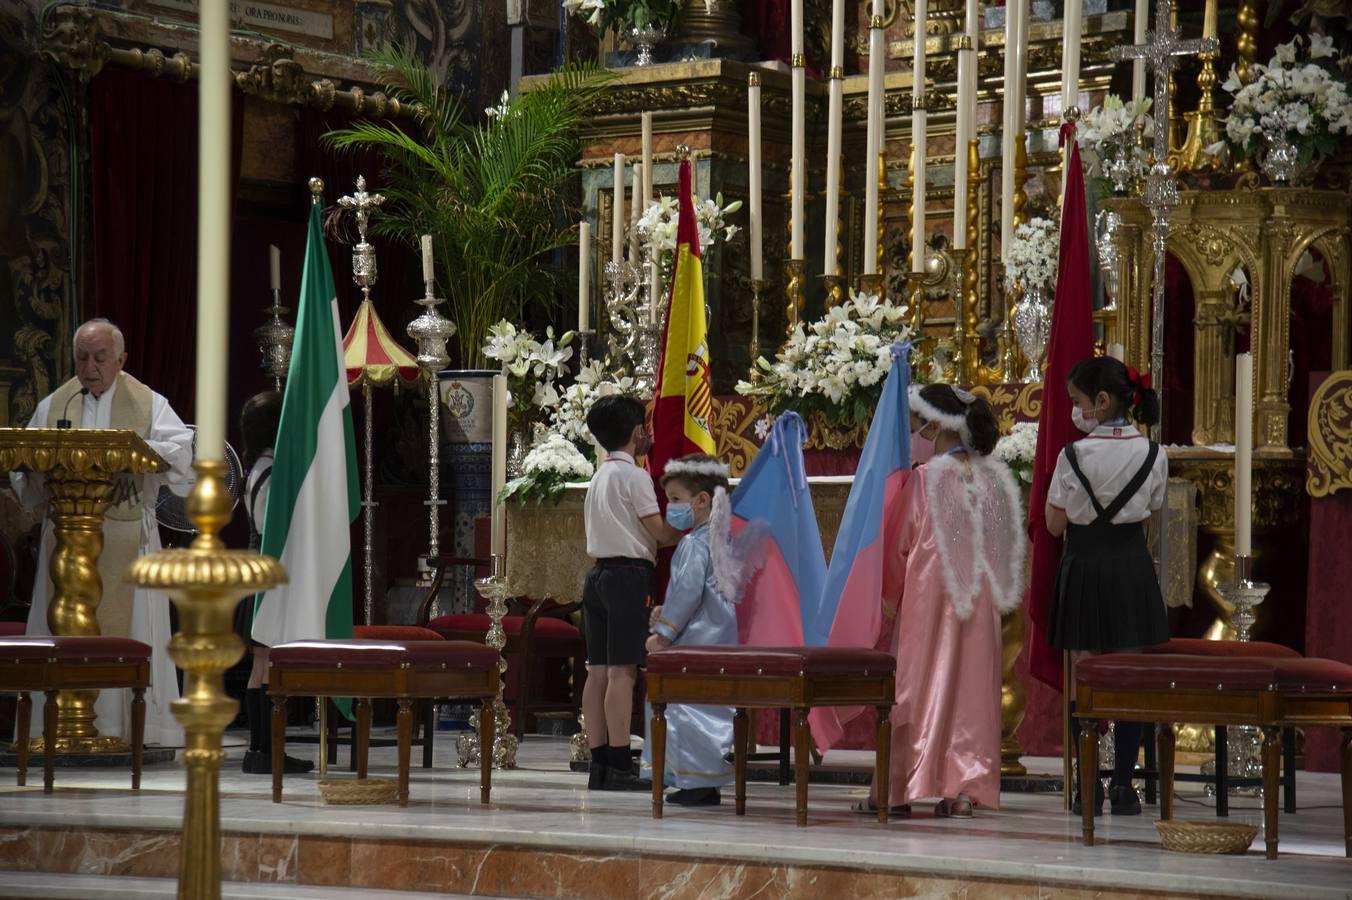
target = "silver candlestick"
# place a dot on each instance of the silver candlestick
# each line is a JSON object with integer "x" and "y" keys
{"x": 365, "y": 273}
{"x": 275, "y": 337}
{"x": 432, "y": 330}
{"x": 494, "y": 590}
{"x": 1243, "y": 743}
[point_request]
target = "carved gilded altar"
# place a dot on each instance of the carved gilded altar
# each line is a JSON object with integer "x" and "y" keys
{"x": 1330, "y": 429}
{"x": 1262, "y": 233}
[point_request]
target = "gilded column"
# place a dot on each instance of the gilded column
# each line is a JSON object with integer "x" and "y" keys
{"x": 1271, "y": 338}
{"x": 1213, "y": 372}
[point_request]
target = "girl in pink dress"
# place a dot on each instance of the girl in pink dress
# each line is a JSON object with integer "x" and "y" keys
{"x": 955, "y": 564}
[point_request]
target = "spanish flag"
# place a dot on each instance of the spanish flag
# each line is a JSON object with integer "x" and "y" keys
{"x": 683, "y": 405}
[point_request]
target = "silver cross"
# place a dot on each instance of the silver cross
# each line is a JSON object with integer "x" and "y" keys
{"x": 363, "y": 203}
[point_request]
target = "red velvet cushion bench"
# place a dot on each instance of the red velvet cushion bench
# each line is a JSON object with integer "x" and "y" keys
{"x": 745, "y": 678}
{"x": 52, "y": 664}
{"x": 404, "y": 671}
{"x": 1270, "y": 693}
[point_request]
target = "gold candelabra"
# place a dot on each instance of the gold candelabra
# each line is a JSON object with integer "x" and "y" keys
{"x": 1202, "y": 129}
{"x": 505, "y": 745}
{"x": 206, "y": 582}
{"x": 971, "y": 353}
{"x": 795, "y": 272}
{"x": 758, "y": 286}
{"x": 1246, "y": 39}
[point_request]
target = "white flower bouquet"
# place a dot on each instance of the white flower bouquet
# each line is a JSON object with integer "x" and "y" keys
{"x": 569, "y": 416}
{"x": 622, "y": 15}
{"x": 549, "y": 466}
{"x": 533, "y": 368}
{"x": 1018, "y": 450}
{"x": 1109, "y": 139}
{"x": 1303, "y": 104}
{"x": 835, "y": 366}
{"x": 657, "y": 225}
{"x": 1031, "y": 261}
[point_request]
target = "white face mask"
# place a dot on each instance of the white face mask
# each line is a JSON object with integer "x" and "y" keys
{"x": 922, "y": 448}
{"x": 1087, "y": 424}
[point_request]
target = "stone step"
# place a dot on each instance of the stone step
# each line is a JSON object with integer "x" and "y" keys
{"x": 114, "y": 887}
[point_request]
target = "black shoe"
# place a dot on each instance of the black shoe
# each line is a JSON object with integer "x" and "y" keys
{"x": 1075, "y": 808}
{"x": 626, "y": 780}
{"x": 597, "y": 775}
{"x": 1125, "y": 801}
{"x": 695, "y": 797}
{"x": 256, "y": 762}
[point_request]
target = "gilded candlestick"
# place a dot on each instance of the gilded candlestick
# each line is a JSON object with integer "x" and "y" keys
{"x": 795, "y": 272}
{"x": 758, "y": 286}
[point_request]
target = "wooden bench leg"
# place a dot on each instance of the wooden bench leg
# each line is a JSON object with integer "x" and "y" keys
{"x": 1272, "y": 762}
{"x": 739, "y": 751}
{"x": 1347, "y": 790}
{"x": 659, "y": 734}
{"x": 802, "y": 756}
{"x": 278, "y": 743}
{"x": 21, "y": 747}
{"x": 487, "y": 729}
{"x": 882, "y": 762}
{"x": 49, "y": 742}
{"x": 138, "y": 734}
{"x": 1166, "y": 739}
{"x": 1088, "y": 775}
{"x": 361, "y": 735}
{"x": 404, "y": 723}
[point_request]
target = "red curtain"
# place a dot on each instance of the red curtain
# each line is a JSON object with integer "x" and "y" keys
{"x": 143, "y": 164}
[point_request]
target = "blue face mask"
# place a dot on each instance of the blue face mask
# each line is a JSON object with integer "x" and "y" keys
{"x": 680, "y": 516}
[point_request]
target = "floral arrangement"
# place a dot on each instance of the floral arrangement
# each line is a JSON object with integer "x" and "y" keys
{"x": 533, "y": 368}
{"x": 1109, "y": 139}
{"x": 835, "y": 366}
{"x": 548, "y": 467}
{"x": 1018, "y": 450}
{"x": 658, "y": 224}
{"x": 1031, "y": 261}
{"x": 623, "y": 15}
{"x": 1304, "y": 104}
{"x": 568, "y": 418}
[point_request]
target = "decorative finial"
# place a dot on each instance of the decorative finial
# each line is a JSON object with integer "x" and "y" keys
{"x": 1073, "y": 114}
{"x": 683, "y": 152}
{"x": 317, "y": 190}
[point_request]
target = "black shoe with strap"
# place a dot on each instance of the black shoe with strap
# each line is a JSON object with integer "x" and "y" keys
{"x": 1124, "y": 800}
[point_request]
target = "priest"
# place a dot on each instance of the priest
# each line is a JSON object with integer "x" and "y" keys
{"x": 102, "y": 395}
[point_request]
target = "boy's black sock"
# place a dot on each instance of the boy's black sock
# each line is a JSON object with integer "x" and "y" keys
{"x": 1126, "y": 745}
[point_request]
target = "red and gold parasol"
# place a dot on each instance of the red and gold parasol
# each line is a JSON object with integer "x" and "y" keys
{"x": 371, "y": 356}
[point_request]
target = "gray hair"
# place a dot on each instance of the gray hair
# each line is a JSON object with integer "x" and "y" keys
{"x": 119, "y": 342}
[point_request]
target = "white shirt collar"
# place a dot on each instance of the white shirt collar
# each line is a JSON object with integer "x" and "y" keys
{"x": 1116, "y": 431}
{"x": 620, "y": 456}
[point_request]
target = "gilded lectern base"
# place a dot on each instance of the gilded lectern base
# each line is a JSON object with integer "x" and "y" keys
{"x": 99, "y": 743}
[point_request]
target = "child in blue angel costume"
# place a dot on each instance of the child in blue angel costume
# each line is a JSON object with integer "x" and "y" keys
{"x": 695, "y": 611}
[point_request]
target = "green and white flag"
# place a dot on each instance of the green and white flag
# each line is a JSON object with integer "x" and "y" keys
{"x": 313, "y": 494}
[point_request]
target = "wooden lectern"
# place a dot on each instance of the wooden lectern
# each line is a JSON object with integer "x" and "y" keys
{"x": 80, "y": 466}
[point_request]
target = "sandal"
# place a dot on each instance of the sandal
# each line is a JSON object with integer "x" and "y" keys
{"x": 960, "y": 808}
{"x": 869, "y": 808}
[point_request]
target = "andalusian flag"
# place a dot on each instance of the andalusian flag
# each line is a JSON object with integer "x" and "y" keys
{"x": 313, "y": 495}
{"x": 683, "y": 405}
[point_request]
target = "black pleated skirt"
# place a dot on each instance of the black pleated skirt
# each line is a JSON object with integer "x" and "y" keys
{"x": 1107, "y": 594}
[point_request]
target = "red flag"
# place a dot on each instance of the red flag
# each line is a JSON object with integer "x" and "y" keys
{"x": 1072, "y": 339}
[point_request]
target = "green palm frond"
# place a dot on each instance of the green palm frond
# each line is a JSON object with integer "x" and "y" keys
{"x": 490, "y": 193}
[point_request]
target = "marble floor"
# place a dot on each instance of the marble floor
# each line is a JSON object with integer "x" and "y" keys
{"x": 545, "y": 835}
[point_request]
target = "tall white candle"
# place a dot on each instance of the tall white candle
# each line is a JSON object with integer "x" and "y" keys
{"x": 798, "y": 149}
{"x": 1070, "y": 54}
{"x": 873, "y": 139}
{"x": 646, "y": 122}
{"x": 213, "y": 228}
{"x": 966, "y": 126}
{"x": 584, "y": 276}
{"x": 635, "y": 213}
{"x": 429, "y": 274}
{"x": 919, "y": 140}
{"x": 1140, "y": 22}
{"x": 834, "y": 116}
{"x": 617, "y": 216}
{"x": 1016, "y": 62}
{"x": 274, "y": 267}
{"x": 753, "y": 118}
{"x": 499, "y": 474}
{"x": 1244, "y": 454}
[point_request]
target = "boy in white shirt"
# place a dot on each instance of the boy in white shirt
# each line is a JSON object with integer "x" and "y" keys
{"x": 624, "y": 529}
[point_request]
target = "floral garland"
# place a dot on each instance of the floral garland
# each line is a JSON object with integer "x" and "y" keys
{"x": 1031, "y": 261}
{"x": 834, "y": 367}
{"x": 1305, "y": 104}
{"x": 548, "y": 468}
{"x": 1018, "y": 450}
{"x": 533, "y": 369}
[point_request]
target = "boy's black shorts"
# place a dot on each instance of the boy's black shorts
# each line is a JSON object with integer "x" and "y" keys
{"x": 615, "y": 611}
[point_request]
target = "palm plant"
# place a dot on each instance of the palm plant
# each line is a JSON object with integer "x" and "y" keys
{"x": 490, "y": 192}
